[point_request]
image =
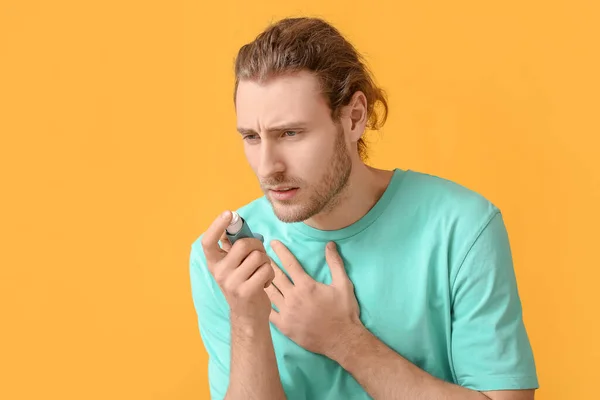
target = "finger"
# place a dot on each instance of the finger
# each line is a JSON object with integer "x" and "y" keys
{"x": 336, "y": 265}
{"x": 242, "y": 249}
{"x": 289, "y": 262}
{"x": 281, "y": 279}
{"x": 242, "y": 272}
{"x": 225, "y": 243}
{"x": 210, "y": 238}
{"x": 275, "y": 296}
{"x": 262, "y": 277}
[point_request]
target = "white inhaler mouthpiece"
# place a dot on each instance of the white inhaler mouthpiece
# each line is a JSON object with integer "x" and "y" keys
{"x": 238, "y": 229}
{"x": 235, "y": 225}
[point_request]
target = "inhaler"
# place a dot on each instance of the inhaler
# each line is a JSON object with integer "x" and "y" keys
{"x": 238, "y": 229}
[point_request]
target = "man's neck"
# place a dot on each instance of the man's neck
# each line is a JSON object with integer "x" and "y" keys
{"x": 365, "y": 187}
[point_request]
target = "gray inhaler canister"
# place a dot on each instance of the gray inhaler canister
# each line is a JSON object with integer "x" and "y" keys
{"x": 238, "y": 229}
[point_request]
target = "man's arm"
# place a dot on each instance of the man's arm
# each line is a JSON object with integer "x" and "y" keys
{"x": 490, "y": 350}
{"x": 254, "y": 373}
{"x": 233, "y": 314}
{"x": 491, "y": 354}
{"x": 384, "y": 374}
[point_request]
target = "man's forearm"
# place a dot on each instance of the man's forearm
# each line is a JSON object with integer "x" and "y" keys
{"x": 253, "y": 370}
{"x": 384, "y": 374}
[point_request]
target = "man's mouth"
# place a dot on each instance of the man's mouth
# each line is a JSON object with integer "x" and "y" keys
{"x": 283, "y": 193}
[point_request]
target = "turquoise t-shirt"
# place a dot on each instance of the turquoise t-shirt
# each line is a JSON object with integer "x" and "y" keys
{"x": 433, "y": 275}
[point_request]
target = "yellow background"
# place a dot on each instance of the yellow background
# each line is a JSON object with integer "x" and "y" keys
{"x": 118, "y": 147}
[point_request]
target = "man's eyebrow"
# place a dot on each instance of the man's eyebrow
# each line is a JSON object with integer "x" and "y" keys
{"x": 275, "y": 128}
{"x": 246, "y": 131}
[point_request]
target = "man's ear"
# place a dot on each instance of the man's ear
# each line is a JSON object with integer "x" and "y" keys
{"x": 356, "y": 112}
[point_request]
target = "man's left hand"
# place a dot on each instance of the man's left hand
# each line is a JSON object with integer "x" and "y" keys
{"x": 318, "y": 317}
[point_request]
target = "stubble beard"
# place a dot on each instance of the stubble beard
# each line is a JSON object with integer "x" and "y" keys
{"x": 324, "y": 196}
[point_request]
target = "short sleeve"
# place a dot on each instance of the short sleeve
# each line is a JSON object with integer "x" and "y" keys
{"x": 213, "y": 320}
{"x": 490, "y": 346}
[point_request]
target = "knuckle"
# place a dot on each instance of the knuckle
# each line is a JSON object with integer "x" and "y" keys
{"x": 255, "y": 256}
{"x": 270, "y": 271}
{"x": 228, "y": 287}
{"x": 266, "y": 271}
{"x": 294, "y": 303}
{"x": 263, "y": 274}
{"x": 220, "y": 277}
{"x": 244, "y": 246}
{"x": 204, "y": 242}
{"x": 237, "y": 292}
{"x": 265, "y": 258}
{"x": 310, "y": 287}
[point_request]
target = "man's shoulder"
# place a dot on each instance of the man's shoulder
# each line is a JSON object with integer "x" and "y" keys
{"x": 435, "y": 194}
{"x": 445, "y": 211}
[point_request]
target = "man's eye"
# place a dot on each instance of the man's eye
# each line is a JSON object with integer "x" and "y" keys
{"x": 290, "y": 133}
{"x": 250, "y": 137}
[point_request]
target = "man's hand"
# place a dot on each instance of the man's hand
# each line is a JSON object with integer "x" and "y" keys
{"x": 241, "y": 271}
{"x": 314, "y": 315}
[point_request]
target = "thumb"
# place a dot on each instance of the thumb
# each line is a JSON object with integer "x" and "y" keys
{"x": 336, "y": 265}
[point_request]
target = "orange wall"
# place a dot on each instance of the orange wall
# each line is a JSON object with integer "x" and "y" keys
{"x": 118, "y": 146}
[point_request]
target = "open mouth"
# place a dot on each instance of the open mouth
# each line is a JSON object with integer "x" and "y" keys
{"x": 284, "y": 194}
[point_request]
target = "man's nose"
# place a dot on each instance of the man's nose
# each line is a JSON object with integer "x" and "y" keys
{"x": 270, "y": 161}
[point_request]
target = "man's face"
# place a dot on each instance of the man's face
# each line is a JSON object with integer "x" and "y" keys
{"x": 299, "y": 155}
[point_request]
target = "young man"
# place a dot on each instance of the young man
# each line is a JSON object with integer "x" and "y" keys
{"x": 370, "y": 283}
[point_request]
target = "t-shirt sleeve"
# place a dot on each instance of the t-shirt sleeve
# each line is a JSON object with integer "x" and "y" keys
{"x": 490, "y": 346}
{"x": 213, "y": 320}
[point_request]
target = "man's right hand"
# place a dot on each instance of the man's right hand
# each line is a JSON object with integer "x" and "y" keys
{"x": 242, "y": 272}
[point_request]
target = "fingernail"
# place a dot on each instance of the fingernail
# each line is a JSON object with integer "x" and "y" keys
{"x": 331, "y": 245}
{"x": 225, "y": 215}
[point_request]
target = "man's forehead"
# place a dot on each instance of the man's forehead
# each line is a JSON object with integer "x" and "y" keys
{"x": 278, "y": 101}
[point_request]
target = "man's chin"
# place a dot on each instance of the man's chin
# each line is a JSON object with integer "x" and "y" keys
{"x": 288, "y": 213}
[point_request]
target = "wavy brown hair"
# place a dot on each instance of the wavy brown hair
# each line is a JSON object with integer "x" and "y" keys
{"x": 312, "y": 44}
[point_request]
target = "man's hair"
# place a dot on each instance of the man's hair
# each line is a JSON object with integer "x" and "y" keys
{"x": 312, "y": 44}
